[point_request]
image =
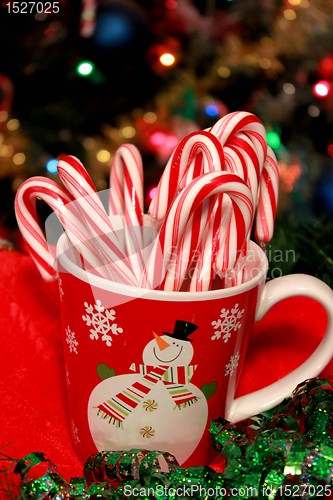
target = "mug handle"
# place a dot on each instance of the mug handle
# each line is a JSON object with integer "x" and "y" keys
{"x": 273, "y": 292}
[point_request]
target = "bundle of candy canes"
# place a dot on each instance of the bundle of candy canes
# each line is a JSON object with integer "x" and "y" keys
{"x": 219, "y": 187}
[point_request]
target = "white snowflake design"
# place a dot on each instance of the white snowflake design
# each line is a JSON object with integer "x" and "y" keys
{"x": 228, "y": 322}
{"x": 71, "y": 340}
{"x": 101, "y": 321}
{"x": 61, "y": 290}
{"x": 232, "y": 365}
{"x": 75, "y": 433}
{"x": 68, "y": 380}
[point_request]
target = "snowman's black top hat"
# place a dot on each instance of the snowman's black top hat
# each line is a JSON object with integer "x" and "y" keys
{"x": 182, "y": 330}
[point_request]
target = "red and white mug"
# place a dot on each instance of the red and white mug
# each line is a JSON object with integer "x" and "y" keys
{"x": 150, "y": 369}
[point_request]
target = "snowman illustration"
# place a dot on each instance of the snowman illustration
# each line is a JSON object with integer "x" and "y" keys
{"x": 156, "y": 408}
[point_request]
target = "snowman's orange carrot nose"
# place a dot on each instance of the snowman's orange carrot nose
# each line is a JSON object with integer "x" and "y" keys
{"x": 162, "y": 344}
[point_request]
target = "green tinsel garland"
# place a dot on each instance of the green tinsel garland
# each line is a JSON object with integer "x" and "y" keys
{"x": 286, "y": 452}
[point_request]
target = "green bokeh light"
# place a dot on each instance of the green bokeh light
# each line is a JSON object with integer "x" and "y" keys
{"x": 273, "y": 139}
{"x": 85, "y": 68}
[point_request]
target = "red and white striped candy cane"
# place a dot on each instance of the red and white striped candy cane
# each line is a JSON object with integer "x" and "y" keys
{"x": 126, "y": 185}
{"x": 126, "y": 197}
{"x": 187, "y": 201}
{"x": 268, "y": 200}
{"x": 263, "y": 177}
{"x": 187, "y": 250}
{"x": 28, "y": 222}
{"x": 61, "y": 203}
{"x": 243, "y": 137}
{"x": 241, "y": 158}
{"x": 244, "y": 133}
{"x": 228, "y": 255}
{"x": 107, "y": 242}
{"x": 230, "y": 125}
{"x": 188, "y": 256}
{"x": 204, "y": 272}
{"x": 199, "y": 152}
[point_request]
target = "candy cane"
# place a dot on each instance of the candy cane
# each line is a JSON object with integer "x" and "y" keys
{"x": 241, "y": 121}
{"x": 188, "y": 254}
{"x": 190, "y": 198}
{"x": 126, "y": 197}
{"x": 204, "y": 272}
{"x": 126, "y": 185}
{"x": 243, "y": 136}
{"x": 106, "y": 237}
{"x": 187, "y": 250}
{"x": 202, "y": 152}
{"x": 244, "y": 143}
{"x": 268, "y": 199}
{"x": 241, "y": 158}
{"x": 28, "y": 222}
{"x": 244, "y": 132}
{"x": 198, "y": 153}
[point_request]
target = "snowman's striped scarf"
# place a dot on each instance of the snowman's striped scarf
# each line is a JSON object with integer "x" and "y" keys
{"x": 117, "y": 408}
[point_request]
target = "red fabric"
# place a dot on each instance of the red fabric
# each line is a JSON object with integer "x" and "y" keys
{"x": 33, "y": 409}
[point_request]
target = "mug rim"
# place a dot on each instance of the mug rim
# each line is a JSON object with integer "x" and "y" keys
{"x": 133, "y": 291}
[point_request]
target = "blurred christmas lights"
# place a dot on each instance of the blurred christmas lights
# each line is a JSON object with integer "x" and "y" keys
{"x": 52, "y": 166}
{"x": 273, "y": 139}
{"x": 321, "y": 88}
{"x": 167, "y": 59}
{"x": 165, "y": 55}
{"x": 152, "y": 192}
{"x": 325, "y": 67}
{"x": 289, "y": 175}
{"x": 163, "y": 143}
{"x": 212, "y": 110}
{"x": 85, "y": 68}
{"x": 112, "y": 29}
{"x": 330, "y": 150}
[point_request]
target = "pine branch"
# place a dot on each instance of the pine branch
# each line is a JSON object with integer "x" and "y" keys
{"x": 312, "y": 246}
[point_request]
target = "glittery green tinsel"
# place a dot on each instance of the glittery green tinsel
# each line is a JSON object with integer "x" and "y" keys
{"x": 284, "y": 453}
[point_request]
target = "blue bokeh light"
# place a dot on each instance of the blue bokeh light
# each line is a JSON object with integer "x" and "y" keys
{"x": 114, "y": 29}
{"x": 52, "y": 166}
{"x": 212, "y": 110}
{"x": 325, "y": 192}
